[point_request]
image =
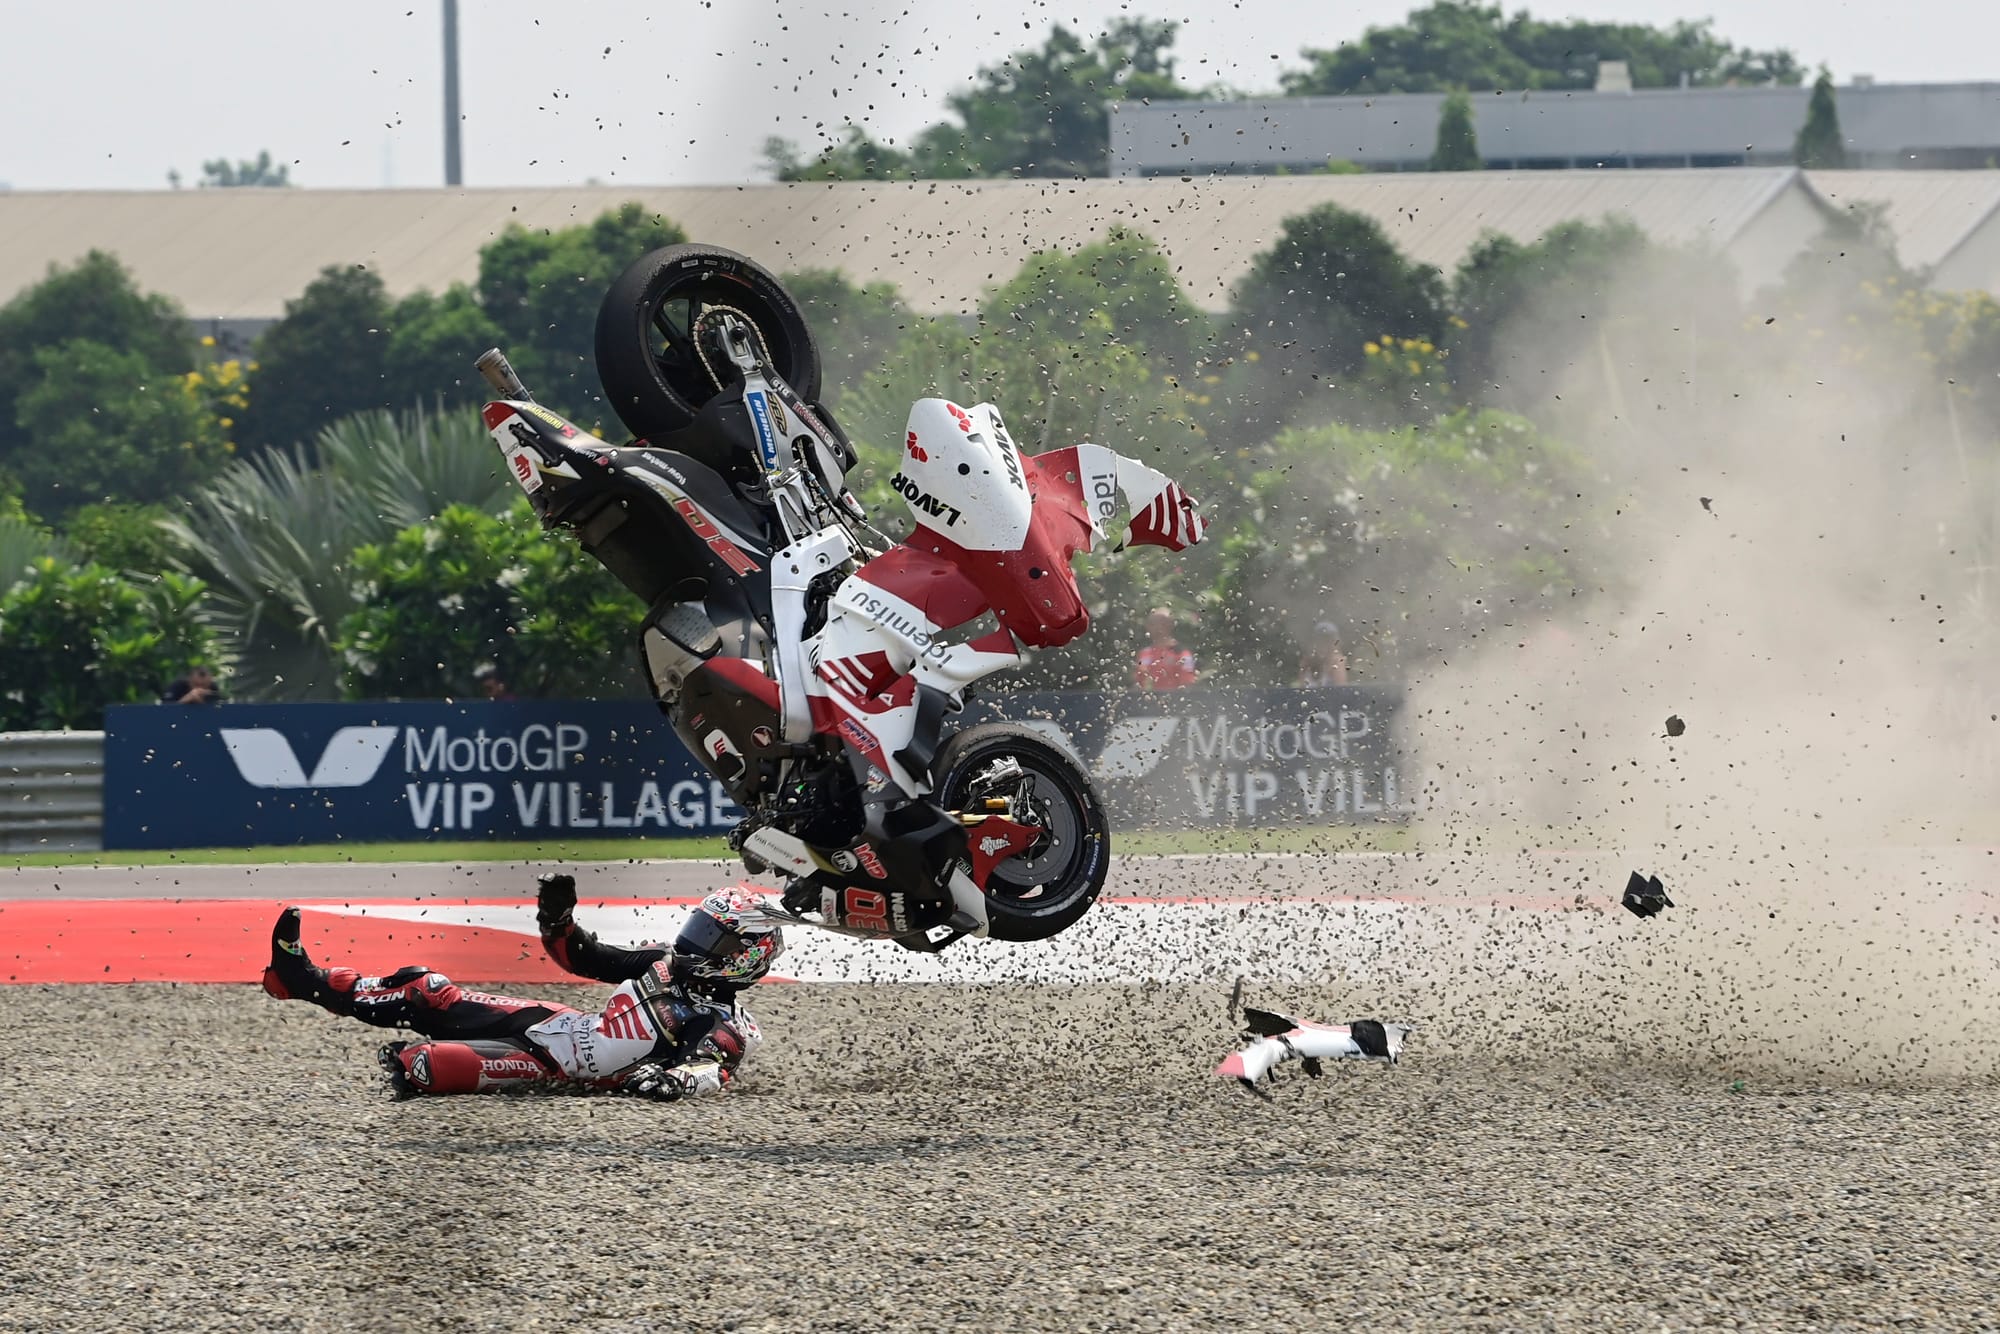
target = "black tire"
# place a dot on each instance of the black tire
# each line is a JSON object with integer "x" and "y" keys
{"x": 1045, "y": 890}
{"x": 652, "y": 376}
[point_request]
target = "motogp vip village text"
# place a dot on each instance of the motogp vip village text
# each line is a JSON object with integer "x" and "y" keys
{"x": 474, "y": 772}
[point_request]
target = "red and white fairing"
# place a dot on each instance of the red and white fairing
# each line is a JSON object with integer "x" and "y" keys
{"x": 1308, "y": 1041}
{"x": 995, "y": 534}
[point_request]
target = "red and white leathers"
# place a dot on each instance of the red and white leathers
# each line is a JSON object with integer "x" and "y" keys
{"x": 661, "y": 1033}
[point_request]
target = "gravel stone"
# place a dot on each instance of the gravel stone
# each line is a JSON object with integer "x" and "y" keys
{"x": 1020, "y": 1158}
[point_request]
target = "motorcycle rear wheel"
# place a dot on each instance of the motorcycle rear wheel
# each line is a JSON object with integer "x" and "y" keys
{"x": 1046, "y": 889}
{"x": 652, "y": 372}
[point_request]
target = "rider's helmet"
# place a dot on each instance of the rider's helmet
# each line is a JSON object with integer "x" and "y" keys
{"x": 728, "y": 941}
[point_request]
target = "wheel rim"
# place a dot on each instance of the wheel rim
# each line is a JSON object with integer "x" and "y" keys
{"x": 1038, "y": 879}
{"x": 670, "y": 338}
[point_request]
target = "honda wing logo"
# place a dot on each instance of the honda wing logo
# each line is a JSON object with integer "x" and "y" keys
{"x": 266, "y": 759}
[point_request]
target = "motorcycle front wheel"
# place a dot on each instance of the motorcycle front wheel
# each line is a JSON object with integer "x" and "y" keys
{"x": 655, "y": 376}
{"x": 1047, "y": 888}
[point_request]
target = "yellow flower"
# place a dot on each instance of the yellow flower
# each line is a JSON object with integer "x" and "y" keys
{"x": 1252, "y": 356}
{"x": 1416, "y": 368}
{"x": 208, "y": 340}
{"x": 225, "y": 422}
{"x": 1370, "y": 349}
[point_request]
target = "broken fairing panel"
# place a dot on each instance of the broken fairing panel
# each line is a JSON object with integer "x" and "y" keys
{"x": 1162, "y": 514}
{"x": 1280, "y": 1038}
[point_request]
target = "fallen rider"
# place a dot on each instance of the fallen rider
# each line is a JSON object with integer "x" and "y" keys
{"x": 673, "y": 1029}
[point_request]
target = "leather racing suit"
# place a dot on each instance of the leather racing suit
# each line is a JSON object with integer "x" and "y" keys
{"x": 673, "y": 1028}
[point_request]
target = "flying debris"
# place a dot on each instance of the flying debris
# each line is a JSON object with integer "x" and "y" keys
{"x": 1646, "y": 897}
{"x": 1674, "y": 725}
{"x": 1277, "y": 1038}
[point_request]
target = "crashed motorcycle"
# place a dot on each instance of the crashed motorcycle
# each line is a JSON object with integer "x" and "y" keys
{"x": 811, "y": 663}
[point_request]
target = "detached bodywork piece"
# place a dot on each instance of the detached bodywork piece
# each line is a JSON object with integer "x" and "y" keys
{"x": 1646, "y": 897}
{"x": 1277, "y": 1038}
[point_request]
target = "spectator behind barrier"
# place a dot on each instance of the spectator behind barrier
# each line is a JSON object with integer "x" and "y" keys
{"x": 1324, "y": 664}
{"x": 197, "y": 687}
{"x": 1163, "y": 664}
{"x": 491, "y": 683}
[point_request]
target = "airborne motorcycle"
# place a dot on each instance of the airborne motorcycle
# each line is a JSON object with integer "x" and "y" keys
{"x": 810, "y": 662}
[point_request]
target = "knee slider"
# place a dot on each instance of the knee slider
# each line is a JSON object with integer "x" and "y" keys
{"x": 433, "y": 991}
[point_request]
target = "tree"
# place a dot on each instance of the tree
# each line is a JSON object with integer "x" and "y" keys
{"x": 1409, "y": 536}
{"x": 1463, "y": 44}
{"x": 543, "y": 289}
{"x": 94, "y": 300}
{"x": 1820, "y": 145}
{"x": 74, "y": 638}
{"x": 442, "y": 597}
{"x": 1039, "y": 112}
{"x": 1457, "y": 149}
{"x": 1562, "y": 282}
{"x": 1124, "y": 277}
{"x": 105, "y": 426}
{"x": 260, "y": 173}
{"x": 1309, "y": 306}
{"x": 855, "y": 156}
{"x": 327, "y": 358}
{"x": 854, "y": 326}
{"x": 122, "y": 535}
{"x": 433, "y": 341}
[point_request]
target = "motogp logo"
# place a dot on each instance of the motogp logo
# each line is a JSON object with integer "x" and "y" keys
{"x": 916, "y": 451}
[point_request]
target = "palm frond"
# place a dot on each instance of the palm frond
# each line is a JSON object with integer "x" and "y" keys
{"x": 23, "y": 542}
{"x": 272, "y": 537}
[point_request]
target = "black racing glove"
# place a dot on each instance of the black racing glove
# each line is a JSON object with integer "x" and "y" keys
{"x": 555, "y": 901}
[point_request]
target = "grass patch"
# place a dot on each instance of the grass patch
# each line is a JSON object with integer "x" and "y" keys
{"x": 567, "y": 850}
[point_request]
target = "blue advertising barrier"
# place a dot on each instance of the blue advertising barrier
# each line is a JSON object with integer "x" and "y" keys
{"x": 1209, "y": 757}
{"x": 237, "y": 775}
{"x": 241, "y": 775}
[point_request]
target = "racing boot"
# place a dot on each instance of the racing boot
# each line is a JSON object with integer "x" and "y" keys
{"x": 390, "y": 1058}
{"x": 292, "y": 975}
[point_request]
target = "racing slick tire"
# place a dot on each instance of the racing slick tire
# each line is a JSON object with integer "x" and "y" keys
{"x": 653, "y": 374}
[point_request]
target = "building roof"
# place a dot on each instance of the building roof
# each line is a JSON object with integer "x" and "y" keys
{"x": 1932, "y": 214}
{"x": 1887, "y": 125}
{"x": 241, "y": 254}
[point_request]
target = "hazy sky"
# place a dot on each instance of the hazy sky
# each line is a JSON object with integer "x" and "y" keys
{"x": 111, "y": 95}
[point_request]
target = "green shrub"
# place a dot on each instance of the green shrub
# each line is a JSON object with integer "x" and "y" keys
{"x": 272, "y": 535}
{"x": 74, "y": 638}
{"x": 443, "y": 597}
{"x": 103, "y": 425}
{"x": 121, "y": 535}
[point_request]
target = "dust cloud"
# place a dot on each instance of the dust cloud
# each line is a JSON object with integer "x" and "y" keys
{"x": 1792, "y": 558}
